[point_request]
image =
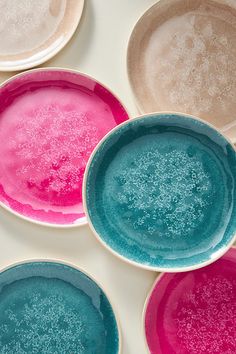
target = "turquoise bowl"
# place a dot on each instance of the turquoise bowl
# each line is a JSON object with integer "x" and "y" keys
{"x": 48, "y": 307}
{"x": 159, "y": 192}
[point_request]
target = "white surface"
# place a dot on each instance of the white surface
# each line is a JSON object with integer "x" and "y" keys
{"x": 99, "y": 49}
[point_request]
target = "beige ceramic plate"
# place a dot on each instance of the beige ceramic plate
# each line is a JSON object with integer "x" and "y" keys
{"x": 181, "y": 57}
{"x": 32, "y": 31}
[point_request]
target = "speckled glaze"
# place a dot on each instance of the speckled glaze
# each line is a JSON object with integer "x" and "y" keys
{"x": 194, "y": 312}
{"x": 34, "y": 31}
{"x": 50, "y": 122}
{"x": 181, "y": 57}
{"x": 160, "y": 192}
{"x": 50, "y": 308}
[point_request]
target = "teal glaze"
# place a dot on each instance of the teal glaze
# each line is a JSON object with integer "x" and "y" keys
{"x": 50, "y": 308}
{"x": 160, "y": 191}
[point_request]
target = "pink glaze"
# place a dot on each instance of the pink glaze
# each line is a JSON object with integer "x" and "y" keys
{"x": 194, "y": 312}
{"x": 50, "y": 122}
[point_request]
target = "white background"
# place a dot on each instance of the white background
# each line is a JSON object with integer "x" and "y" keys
{"x": 98, "y": 48}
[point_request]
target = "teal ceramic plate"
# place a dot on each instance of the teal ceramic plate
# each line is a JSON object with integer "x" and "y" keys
{"x": 51, "y": 308}
{"x": 159, "y": 191}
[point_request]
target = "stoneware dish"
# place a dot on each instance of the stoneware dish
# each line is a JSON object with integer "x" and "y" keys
{"x": 50, "y": 121}
{"x": 181, "y": 57}
{"x": 50, "y": 307}
{"x": 34, "y": 31}
{"x": 159, "y": 192}
{"x": 194, "y": 312}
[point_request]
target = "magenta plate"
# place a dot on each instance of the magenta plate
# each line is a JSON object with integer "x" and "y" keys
{"x": 50, "y": 121}
{"x": 194, "y": 312}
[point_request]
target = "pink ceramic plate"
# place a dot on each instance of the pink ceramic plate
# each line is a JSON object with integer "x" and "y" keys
{"x": 194, "y": 312}
{"x": 50, "y": 121}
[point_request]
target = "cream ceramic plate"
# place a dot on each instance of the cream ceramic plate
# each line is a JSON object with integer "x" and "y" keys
{"x": 32, "y": 31}
{"x": 181, "y": 57}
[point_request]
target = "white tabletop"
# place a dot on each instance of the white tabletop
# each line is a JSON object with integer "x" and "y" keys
{"x": 98, "y": 48}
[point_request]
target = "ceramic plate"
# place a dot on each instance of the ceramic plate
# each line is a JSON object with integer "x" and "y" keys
{"x": 181, "y": 57}
{"x": 50, "y": 121}
{"x": 194, "y": 312}
{"x": 159, "y": 191}
{"x": 33, "y": 31}
{"x": 49, "y": 308}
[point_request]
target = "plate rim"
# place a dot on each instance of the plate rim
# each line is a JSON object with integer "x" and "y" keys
{"x": 83, "y": 271}
{"x": 72, "y": 71}
{"x": 130, "y": 39}
{"x": 219, "y": 253}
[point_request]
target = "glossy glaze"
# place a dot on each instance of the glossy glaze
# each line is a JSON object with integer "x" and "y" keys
{"x": 50, "y": 121}
{"x": 194, "y": 312}
{"x": 160, "y": 191}
{"x": 181, "y": 57}
{"x": 34, "y": 31}
{"x": 53, "y": 308}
